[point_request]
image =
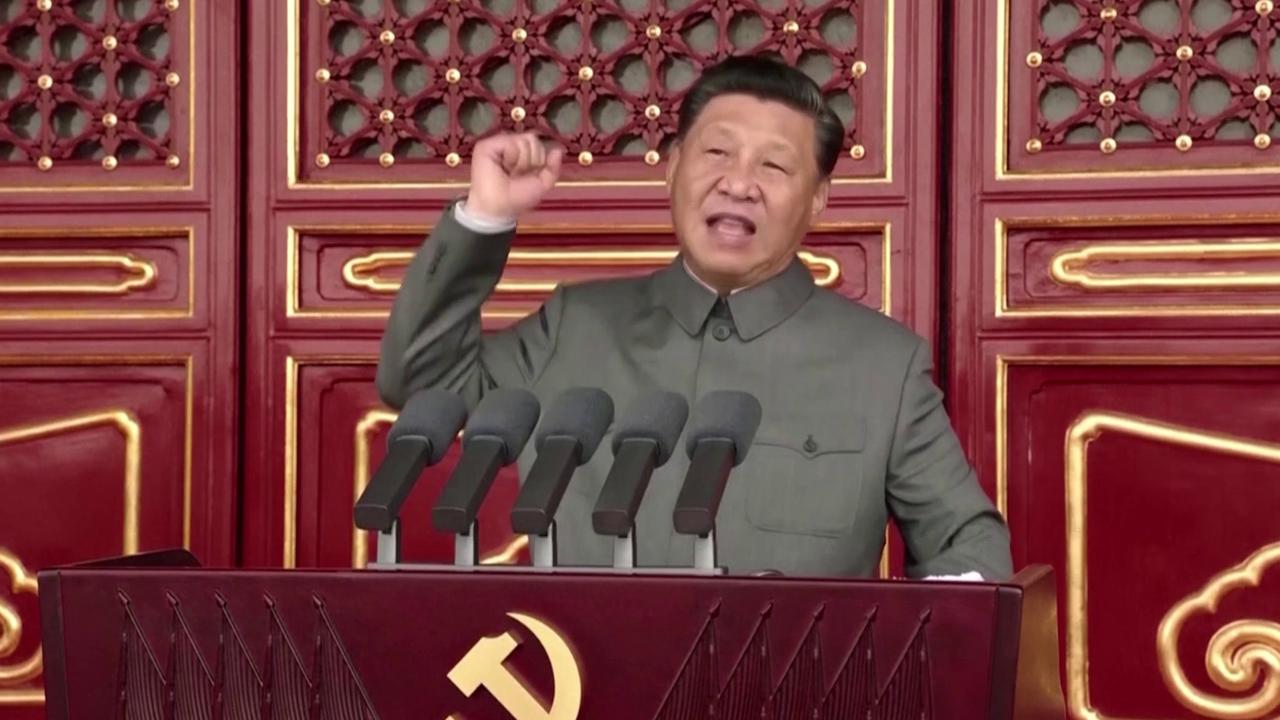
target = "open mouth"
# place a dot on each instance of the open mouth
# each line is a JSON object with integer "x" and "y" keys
{"x": 731, "y": 225}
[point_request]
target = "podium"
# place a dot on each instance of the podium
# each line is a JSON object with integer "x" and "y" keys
{"x": 158, "y": 636}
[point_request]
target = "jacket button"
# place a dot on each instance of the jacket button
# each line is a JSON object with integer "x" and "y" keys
{"x": 722, "y": 332}
{"x": 810, "y": 446}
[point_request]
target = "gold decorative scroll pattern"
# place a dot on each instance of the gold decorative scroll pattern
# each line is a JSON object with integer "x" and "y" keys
{"x": 361, "y": 272}
{"x": 139, "y": 274}
{"x": 10, "y": 622}
{"x": 368, "y": 426}
{"x": 1238, "y": 653}
{"x": 23, "y": 671}
{"x": 1070, "y": 267}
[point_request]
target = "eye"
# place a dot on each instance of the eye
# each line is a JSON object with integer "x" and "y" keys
{"x": 716, "y": 151}
{"x": 777, "y": 168}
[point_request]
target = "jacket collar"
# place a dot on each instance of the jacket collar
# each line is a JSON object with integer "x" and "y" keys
{"x": 755, "y": 310}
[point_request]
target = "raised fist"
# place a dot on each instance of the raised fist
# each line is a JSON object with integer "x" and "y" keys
{"x": 510, "y": 174}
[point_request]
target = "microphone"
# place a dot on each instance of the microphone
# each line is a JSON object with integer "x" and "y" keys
{"x": 723, "y": 427}
{"x": 493, "y": 439}
{"x": 567, "y": 437}
{"x": 644, "y": 440}
{"x": 420, "y": 437}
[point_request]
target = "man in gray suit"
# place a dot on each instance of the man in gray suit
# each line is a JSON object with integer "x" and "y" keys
{"x": 854, "y": 428}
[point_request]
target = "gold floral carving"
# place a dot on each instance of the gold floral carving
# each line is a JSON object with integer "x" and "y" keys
{"x": 1239, "y": 654}
{"x": 29, "y": 668}
{"x": 368, "y": 426}
{"x": 361, "y": 272}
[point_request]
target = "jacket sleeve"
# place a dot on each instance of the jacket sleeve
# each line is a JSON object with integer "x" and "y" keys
{"x": 949, "y": 524}
{"x": 434, "y": 339}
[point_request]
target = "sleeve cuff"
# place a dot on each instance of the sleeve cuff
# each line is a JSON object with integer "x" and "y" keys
{"x": 482, "y": 226}
{"x": 971, "y": 576}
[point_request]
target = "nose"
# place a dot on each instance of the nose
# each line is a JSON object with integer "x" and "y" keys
{"x": 738, "y": 184}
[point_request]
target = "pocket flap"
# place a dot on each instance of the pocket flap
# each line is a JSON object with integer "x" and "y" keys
{"x": 812, "y": 438}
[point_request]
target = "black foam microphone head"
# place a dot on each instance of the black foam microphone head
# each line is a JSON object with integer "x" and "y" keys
{"x": 507, "y": 414}
{"x": 433, "y": 415}
{"x": 581, "y": 413}
{"x": 659, "y": 417}
{"x": 725, "y": 415}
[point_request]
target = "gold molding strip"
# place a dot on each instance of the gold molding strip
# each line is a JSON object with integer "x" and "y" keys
{"x": 354, "y": 269}
{"x": 1069, "y": 267}
{"x": 1087, "y": 428}
{"x": 128, "y": 425}
{"x": 1000, "y": 280}
{"x": 148, "y": 272}
{"x": 1003, "y": 172}
{"x": 360, "y": 272}
{"x": 141, "y": 273}
{"x": 21, "y": 581}
{"x": 293, "y": 121}
{"x": 1238, "y": 653}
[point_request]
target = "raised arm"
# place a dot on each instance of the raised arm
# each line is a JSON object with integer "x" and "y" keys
{"x": 434, "y": 337}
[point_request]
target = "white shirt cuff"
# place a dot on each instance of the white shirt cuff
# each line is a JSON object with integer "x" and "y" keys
{"x": 971, "y": 576}
{"x": 483, "y": 226}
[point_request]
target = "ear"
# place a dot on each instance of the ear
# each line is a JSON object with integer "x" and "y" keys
{"x": 820, "y": 195}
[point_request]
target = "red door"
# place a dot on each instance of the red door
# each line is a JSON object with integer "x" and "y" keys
{"x": 1116, "y": 239}
{"x": 118, "y": 295}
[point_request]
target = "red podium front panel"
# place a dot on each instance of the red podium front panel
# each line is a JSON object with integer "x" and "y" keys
{"x": 184, "y": 642}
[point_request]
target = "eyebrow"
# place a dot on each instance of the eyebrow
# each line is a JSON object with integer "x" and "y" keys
{"x": 720, "y": 130}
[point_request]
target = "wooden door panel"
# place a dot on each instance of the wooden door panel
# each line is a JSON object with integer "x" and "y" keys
{"x": 97, "y": 455}
{"x": 1120, "y": 472}
{"x": 1125, "y": 265}
{"x": 339, "y": 275}
{"x": 107, "y": 270}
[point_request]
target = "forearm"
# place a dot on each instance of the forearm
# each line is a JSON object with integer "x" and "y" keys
{"x": 949, "y": 524}
{"x": 433, "y": 337}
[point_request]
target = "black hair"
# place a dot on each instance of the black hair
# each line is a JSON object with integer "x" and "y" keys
{"x": 766, "y": 78}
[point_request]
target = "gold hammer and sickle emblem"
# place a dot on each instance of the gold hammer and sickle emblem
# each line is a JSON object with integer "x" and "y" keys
{"x": 483, "y": 666}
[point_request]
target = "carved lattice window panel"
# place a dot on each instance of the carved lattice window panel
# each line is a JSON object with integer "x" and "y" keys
{"x": 95, "y": 92}
{"x": 1142, "y": 84}
{"x": 400, "y": 90}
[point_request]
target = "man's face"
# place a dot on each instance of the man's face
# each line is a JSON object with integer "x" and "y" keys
{"x": 744, "y": 187}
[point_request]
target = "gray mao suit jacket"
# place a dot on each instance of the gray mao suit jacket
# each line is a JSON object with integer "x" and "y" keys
{"x": 854, "y": 429}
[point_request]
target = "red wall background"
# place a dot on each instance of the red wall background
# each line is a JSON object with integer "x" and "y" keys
{"x": 205, "y": 208}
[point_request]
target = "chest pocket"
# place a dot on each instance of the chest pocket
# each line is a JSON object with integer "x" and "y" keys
{"x": 806, "y": 479}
